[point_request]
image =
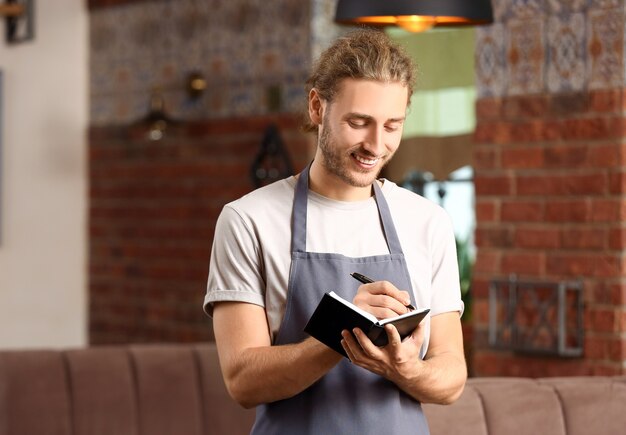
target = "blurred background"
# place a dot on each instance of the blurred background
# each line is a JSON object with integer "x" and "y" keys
{"x": 126, "y": 125}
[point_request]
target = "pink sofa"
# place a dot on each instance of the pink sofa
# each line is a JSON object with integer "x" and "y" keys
{"x": 178, "y": 389}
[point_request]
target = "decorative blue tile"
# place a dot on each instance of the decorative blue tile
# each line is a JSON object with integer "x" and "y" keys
{"x": 568, "y": 6}
{"x": 525, "y": 57}
{"x": 524, "y": 9}
{"x": 240, "y": 46}
{"x": 605, "y": 48}
{"x": 566, "y": 55}
{"x": 490, "y": 61}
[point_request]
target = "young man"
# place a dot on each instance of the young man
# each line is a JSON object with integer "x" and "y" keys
{"x": 278, "y": 249}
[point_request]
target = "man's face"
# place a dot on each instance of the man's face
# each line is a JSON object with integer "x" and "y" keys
{"x": 361, "y": 130}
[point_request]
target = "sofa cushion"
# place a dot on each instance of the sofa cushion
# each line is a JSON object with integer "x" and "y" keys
{"x": 520, "y": 406}
{"x": 591, "y": 405}
{"x": 168, "y": 390}
{"x": 223, "y": 415}
{"x": 34, "y": 396}
{"x": 103, "y": 391}
{"x": 465, "y": 416}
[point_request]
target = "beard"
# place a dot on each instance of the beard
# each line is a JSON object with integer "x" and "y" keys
{"x": 339, "y": 162}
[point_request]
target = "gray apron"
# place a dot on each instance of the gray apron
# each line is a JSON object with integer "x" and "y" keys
{"x": 348, "y": 399}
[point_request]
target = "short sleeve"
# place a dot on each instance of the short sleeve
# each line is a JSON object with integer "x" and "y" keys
{"x": 446, "y": 289}
{"x": 235, "y": 267}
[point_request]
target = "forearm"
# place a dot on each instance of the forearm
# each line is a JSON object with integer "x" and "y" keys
{"x": 270, "y": 373}
{"x": 439, "y": 379}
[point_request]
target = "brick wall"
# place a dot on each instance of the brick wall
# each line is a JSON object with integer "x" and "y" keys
{"x": 550, "y": 205}
{"x": 153, "y": 207}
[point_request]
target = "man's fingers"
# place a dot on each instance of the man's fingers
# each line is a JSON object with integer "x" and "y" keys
{"x": 385, "y": 288}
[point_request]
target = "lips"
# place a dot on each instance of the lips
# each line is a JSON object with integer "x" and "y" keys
{"x": 365, "y": 161}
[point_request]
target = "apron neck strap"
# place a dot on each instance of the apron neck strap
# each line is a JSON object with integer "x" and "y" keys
{"x": 299, "y": 216}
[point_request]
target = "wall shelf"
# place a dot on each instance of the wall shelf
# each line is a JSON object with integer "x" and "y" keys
{"x": 537, "y": 317}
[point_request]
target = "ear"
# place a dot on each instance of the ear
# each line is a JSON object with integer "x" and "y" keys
{"x": 316, "y": 107}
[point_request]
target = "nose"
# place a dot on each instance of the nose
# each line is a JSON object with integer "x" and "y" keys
{"x": 375, "y": 140}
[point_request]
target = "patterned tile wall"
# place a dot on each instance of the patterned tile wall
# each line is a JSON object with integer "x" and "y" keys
{"x": 242, "y": 47}
{"x": 551, "y": 46}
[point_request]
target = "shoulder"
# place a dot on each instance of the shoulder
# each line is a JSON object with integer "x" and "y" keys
{"x": 409, "y": 202}
{"x": 415, "y": 215}
{"x": 266, "y": 202}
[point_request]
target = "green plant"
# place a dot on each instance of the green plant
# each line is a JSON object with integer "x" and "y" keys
{"x": 466, "y": 264}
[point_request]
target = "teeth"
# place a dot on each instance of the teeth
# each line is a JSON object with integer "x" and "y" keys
{"x": 365, "y": 161}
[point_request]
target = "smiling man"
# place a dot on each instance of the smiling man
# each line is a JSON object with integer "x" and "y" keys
{"x": 278, "y": 249}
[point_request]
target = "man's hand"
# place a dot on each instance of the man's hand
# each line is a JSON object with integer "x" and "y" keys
{"x": 438, "y": 378}
{"x": 396, "y": 361}
{"x": 382, "y": 299}
{"x": 255, "y": 371}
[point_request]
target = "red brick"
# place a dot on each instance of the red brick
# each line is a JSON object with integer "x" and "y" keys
{"x": 490, "y": 132}
{"x": 485, "y": 158}
{"x": 619, "y": 293}
{"x": 607, "y": 210}
{"x": 618, "y": 349}
{"x": 537, "y": 238}
{"x": 607, "y": 369}
{"x": 603, "y": 292}
{"x": 489, "y": 363}
{"x": 487, "y": 261}
{"x": 517, "y": 108}
{"x": 585, "y": 238}
{"x": 622, "y": 320}
{"x": 568, "y": 211}
{"x": 519, "y": 158}
{"x": 523, "y": 263}
{"x": 585, "y": 184}
{"x": 565, "y": 156}
{"x": 595, "y": 347}
{"x": 600, "y": 320}
{"x": 617, "y": 182}
{"x": 488, "y": 108}
{"x": 480, "y": 311}
{"x": 551, "y": 131}
{"x": 527, "y": 132}
{"x": 569, "y": 105}
{"x": 592, "y": 128}
{"x": 522, "y": 211}
{"x": 493, "y": 236}
{"x": 570, "y": 264}
{"x": 606, "y": 101}
{"x": 480, "y": 288}
{"x": 606, "y": 156}
{"x": 493, "y": 185}
{"x": 152, "y": 212}
{"x": 486, "y": 210}
{"x": 609, "y": 265}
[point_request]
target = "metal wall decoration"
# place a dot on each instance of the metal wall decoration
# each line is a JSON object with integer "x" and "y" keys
{"x": 272, "y": 161}
{"x": 536, "y": 317}
{"x": 20, "y": 20}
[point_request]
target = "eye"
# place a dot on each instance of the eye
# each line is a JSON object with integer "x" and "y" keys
{"x": 393, "y": 127}
{"x": 357, "y": 123}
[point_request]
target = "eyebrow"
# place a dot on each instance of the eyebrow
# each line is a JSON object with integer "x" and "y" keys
{"x": 363, "y": 116}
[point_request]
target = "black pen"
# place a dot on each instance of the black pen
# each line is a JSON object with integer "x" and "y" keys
{"x": 367, "y": 280}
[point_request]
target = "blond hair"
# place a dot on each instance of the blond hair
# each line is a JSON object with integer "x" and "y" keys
{"x": 362, "y": 54}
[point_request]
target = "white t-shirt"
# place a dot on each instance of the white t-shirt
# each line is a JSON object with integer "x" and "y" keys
{"x": 251, "y": 253}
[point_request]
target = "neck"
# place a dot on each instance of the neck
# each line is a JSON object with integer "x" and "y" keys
{"x": 330, "y": 186}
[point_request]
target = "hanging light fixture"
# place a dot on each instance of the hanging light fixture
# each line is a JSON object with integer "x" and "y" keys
{"x": 414, "y": 15}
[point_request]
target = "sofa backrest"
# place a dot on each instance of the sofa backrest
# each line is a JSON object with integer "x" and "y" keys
{"x": 134, "y": 390}
{"x": 556, "y": 406}
{"x": 178, "y": 389}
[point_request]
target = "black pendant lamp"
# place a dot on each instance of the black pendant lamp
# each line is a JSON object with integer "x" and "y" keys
{"x": 414, "y": 15}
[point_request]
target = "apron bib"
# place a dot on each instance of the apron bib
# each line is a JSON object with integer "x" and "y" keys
{"x": 348, "y": 399}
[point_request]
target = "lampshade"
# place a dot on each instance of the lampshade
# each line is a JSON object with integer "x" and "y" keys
{"x": 414, "y": 15}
